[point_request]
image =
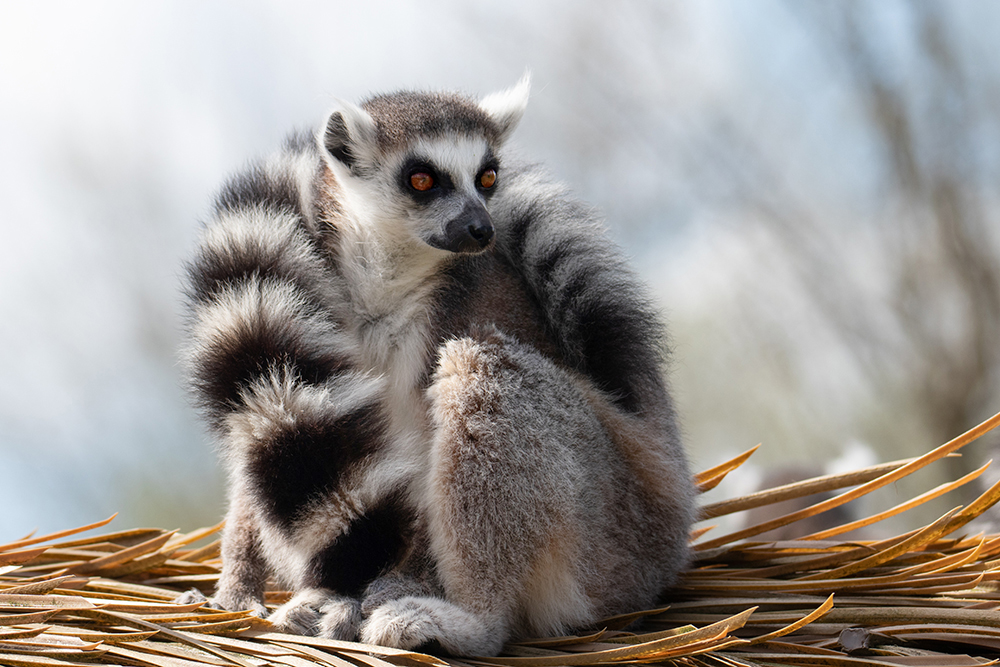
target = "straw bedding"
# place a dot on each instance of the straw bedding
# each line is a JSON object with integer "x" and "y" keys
{"x": 927, "y": 597}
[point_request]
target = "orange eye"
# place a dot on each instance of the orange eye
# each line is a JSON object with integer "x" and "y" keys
{"x": 488, "y": 178}
{"x": 421, "y": 181}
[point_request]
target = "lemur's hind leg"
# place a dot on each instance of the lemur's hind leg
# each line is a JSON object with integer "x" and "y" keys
{"x": 241, "y": 585}
{"x": 312, "y": 611}
{"x": 514, "y": 439}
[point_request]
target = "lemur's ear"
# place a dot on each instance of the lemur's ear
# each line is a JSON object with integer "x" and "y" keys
{"x": 507, "y": 106}
{"x": 349, "y": 134}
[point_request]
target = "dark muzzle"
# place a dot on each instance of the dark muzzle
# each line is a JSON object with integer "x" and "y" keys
{"x": 470, "y": 231}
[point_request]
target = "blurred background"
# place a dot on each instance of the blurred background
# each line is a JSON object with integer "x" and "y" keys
{"x": 812, "y": 190}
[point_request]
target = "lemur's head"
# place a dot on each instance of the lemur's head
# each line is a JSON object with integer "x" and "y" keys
{"x": 424, "y": 165}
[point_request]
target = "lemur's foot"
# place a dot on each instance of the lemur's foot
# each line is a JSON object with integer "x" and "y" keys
{"x": 230, "y": 603}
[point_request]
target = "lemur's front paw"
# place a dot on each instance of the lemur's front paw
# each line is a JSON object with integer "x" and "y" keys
{"x": 392, "y": 586}
{"x": 319, "y": 612}
{"x": 429, "y": 623}
{"x": 400, "y": 624}
{"x": 341, "y": 619}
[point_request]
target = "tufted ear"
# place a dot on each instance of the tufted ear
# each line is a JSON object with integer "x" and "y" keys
{"x": 349, "y": 134}
{"x": 507, "y": 106}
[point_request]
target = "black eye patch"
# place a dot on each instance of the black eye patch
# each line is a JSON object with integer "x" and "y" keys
{"x": 487, "y": 187}
{"x": 422, "y": 181}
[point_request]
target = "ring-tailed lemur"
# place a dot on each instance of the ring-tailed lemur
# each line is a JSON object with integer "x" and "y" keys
{"x": 436, "y": 386}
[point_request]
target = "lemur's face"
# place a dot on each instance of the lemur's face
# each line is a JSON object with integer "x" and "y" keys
{"x": 421, "y": 167}
{"x": 433, "y": 192}
{"x": 446, "y": 184}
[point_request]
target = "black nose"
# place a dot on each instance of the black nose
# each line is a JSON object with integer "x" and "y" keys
{"x": 483, "y": 234}
{"x": 469, "y": 231}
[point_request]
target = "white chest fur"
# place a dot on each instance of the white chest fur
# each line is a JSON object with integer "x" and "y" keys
{"x": 391, "y": 287}
{"x": 396, "y": 346}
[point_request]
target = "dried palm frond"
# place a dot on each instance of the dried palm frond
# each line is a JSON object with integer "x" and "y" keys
{"x": 925, "y": 597}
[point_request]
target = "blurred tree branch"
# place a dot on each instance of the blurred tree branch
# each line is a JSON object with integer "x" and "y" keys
{"x": 931, "y": 329}
{"x": 937, "y": 236}
{"x": 943, "y": 250}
